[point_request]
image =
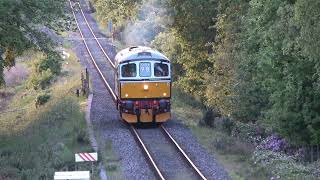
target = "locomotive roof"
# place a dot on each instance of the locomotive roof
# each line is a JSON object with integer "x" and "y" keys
{"x": 138, "y": 52}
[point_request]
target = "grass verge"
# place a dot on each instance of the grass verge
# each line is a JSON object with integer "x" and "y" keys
{"x": 111, "y": 161}
{"x": 36, "y": 142}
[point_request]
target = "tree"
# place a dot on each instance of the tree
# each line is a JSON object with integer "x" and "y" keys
{"x": 19, "y": 22}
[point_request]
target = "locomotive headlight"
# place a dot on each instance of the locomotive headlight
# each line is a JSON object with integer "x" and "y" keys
{"x": 126, "y": 95}
{"x": 164, "y": 94}
{"x": 145, "y": 87}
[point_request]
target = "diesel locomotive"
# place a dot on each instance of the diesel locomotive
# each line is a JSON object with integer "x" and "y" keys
{"x": 143, "y": 85}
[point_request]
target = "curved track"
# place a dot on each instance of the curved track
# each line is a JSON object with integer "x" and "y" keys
{"x": 91, "y": 43}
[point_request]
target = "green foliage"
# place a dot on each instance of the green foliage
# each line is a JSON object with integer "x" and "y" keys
{"x": 116, "y": 10}
{"x": 52, "y": 141}
{"x": 40, "y": 80}
{"x": 44, "y": 70}
{"x": 252, "y": 61}
{"x": 19, "y": 22}
{"x": 277, "y": 80}
{"x": 42, "y": 99}
{"x": 52, "y": 62}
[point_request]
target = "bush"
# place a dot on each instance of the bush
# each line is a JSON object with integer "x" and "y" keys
{"x": 42, "y": 99}
{"x": 282, "y": 166}
{"x": 41, "y": 80}
{"x": 250, "y": 133}
{"x": 52, "y": 62}
{"x": 44, "y": 70}
{"x": 223, "y": 124}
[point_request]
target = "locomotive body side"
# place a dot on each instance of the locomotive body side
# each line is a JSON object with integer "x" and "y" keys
{"x": 143, "y": 85}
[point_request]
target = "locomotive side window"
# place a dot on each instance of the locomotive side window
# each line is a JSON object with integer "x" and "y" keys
{"x": 161, "y": 70}
{"x": 145, "y": 69}
{"x": 129, "y": 70}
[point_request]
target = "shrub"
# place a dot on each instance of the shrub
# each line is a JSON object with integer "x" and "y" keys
{"x": 52, "y": 62}
{"x": 42, "y": 99}
{"x": 282, "y": 166}
{"x": 44, "y": 70}
{"x": 274, "y": 143}
{"x": 247, "y": 132}
{"x": 223, "y": 124}
{"x": 41, "y": 80}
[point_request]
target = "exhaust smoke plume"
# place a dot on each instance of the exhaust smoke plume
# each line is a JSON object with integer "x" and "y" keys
{"x": 153, "y": 18}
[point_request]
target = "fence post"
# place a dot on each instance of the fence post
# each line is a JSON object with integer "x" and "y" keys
{"x": 87, "y": 81}
{"x": 311, "y": 151}
{"x": 318, "y": 152}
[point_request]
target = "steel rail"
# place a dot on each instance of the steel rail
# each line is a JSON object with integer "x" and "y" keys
{"x": 109, "y": 60}
{"x": 182, "y": 152}
{"x": 92, "y": 58}
{"x": 147, "y": 152}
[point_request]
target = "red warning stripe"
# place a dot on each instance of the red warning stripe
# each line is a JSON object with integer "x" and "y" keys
{"x": 93, "y": 159}
{"x": 87, "y": 157}
{"x": 83, "y": 157}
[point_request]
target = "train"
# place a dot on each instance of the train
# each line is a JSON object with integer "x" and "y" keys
{"x": 143, "y": 85}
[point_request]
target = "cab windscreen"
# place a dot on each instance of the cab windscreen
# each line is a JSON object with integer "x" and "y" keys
{"x": 129, "y": 70}
{"x": 161, "y": 70}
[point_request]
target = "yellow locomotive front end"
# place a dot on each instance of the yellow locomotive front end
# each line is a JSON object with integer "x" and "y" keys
{"x": 143, "y": 81}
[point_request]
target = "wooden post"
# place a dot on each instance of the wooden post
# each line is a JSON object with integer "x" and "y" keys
{"x": 311, "y": 151}
{"x": 318, "y": 155}
{"x": 87, "y": 81}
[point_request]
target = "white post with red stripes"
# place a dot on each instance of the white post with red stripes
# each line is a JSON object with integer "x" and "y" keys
{"x": 87, "y": 157}
{"x": 83, "y": 157}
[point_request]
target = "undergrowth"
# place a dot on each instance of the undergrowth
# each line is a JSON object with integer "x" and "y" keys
{"x": 36, "y": 141}
{"x": 241, "y": 148}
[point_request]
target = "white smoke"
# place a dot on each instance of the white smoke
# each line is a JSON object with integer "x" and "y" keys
{"x": 153, "y": 18}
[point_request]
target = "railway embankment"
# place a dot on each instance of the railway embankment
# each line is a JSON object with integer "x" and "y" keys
{"x": 245, "y": 151}
{"x": 41, "y": 129}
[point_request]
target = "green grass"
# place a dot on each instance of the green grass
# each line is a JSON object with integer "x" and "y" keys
{"x": 111, "y": 161}
{"x": 36, "y": 142}
{"x": 232, "y": 154}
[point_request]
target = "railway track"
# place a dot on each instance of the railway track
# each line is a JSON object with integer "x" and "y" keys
{"x": 92, "y": 43}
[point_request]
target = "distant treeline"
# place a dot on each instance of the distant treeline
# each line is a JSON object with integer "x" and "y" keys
{"x": 252, "y": 60}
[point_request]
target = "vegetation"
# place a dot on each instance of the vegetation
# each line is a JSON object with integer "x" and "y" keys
{"x": 252, "y": 61}
{"x": 243, "y": 151}
{"x": 51, "y": 121}
{"x": 20, "y": 27}
{"x": 252, "y": 65}
{"x": 44, "y": 70}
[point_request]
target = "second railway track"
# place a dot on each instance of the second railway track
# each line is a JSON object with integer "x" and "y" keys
{"x": 158, "y": 145}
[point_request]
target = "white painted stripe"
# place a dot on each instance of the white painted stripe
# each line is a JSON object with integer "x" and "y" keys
{"x": 81, "y": 157}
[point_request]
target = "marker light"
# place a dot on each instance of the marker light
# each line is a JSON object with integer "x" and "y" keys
{"x": 145, "y": 87}
{"x": 164, "y": 94}
{"x": 126, "y": 95}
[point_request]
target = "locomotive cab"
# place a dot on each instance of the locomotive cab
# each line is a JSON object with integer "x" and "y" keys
{"x": 143, "y": 85}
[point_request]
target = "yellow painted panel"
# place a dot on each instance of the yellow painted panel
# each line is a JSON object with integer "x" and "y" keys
{"x": 145, "y": 90}
{"x": 146, "y": 117}
{"x": 163, "y": 117}
{"x": 130, "y": 118}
